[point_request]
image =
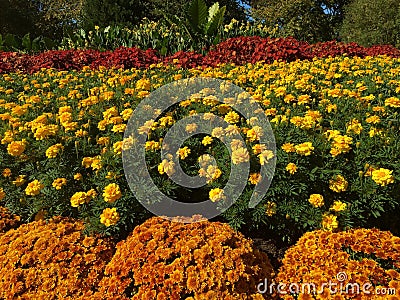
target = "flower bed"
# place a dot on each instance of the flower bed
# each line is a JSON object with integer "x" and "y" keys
{"x": 240, "y": 50}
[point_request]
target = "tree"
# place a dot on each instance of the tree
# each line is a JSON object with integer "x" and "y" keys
{"x": 18, "y": 17}
{"x": 308, "y": 20}
{"x": 372, "y": 22}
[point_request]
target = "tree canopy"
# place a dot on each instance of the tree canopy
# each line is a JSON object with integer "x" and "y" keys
{"x": 372, "y": 22}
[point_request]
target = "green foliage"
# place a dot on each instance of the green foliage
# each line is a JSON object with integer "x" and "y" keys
{"x": 167, "y": 38}
{"x": 372, "y": 22}
{"x": 10, "y": 42}
{"x": 308, "y": 20}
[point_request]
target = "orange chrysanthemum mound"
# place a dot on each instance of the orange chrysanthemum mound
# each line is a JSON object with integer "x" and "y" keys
{"x": 8, "y": 220}
{"x": 51, "y": 260}
{"x": 173, "y": 261}
{"x": 355, "y": 264}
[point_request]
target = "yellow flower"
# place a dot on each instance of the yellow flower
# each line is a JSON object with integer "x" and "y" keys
{"x": 254, "y": 133}
{"x": 240, "y": 155}
{"x": 288, "y": 147}
{"x": 232, "y": 117}
{"x": 382, "y": 176}
{"x": 291, "y": 168}
{"x": 191, "y": 127}
{"x": 2, "y": 194}
{"x": 329, "y": 222}
{"x": 78, "y": 176}
{"x": 183, "y": 152}
{"x": 392, "y": 102}
{"x": 109, "y": 217}
{"x": 79, "y": 198}
{"x": 20, "y": 180}
{"x": 304, "y": 148}
{"x": 167, "y": 167}
{"x": 7, "y": 172}
{"x": 16, "y": 148}
{"x": 152, "y": 145}
{"x": 255, "y": 178}
{"x": 218, "y": 132}
{"x": 34, "y": 188}
{"x": 59, "y": 183}
{"x": 216, "y": 195}
{"x": 270, "y": 208}
{"x": 117, "y": 147}
{"x": 316, "y": 200}
{"x": 338, "y": 184}
{"x": 338, "y": 206}
{"x": 265, "y": 156}
{"x": 52, "y": 151}
{"x": 112, "y": 193}
{"x": 207, "y": 140}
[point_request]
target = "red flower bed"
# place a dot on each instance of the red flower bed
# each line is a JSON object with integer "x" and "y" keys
{"x": 238, "y": 50}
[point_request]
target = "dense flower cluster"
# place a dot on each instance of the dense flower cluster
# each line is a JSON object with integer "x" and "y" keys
{"x": 8, "y": 220}
{"x": 165, "y": 259}
{"x": 239, "y": 50}
{"x": 369, "y": 258}
{"x": 51, "y": 260}
{"x": 335, "y": 122}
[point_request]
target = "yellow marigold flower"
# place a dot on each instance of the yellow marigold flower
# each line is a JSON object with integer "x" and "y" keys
{"x": 52, "y": 151}
{"x": 270, "y": 208}
{"x": 126, "y": 114}
{"x": 190, "y": 128}
{"x": 2, "y": 194}
{"x": 329, "y": 222}
{"x": 78, "y": 176}
{"x": 119, "y": 128}
{"x": 59, "y": 183}
{"x": 392, "y": 102}
{"x": 20, "y": 180}
{"x": 91, "y": 193}
{"x": 167, "y": 167}
{"x": 236, "y": 144}
{"x": 338, "y": 206}
{"x": 79, "y": 198}
{"x": 207, "y": 140}
{"x": 258, "y": 148}
{"x": 265, "y": 156}
{"x": 354, "y": 126}
{"x": 373, "y": 119}
{"x": 16, "y": 148}
{"x": 218, "y": 132}
{"x": 232, "y": 117}
{"x": 147, "y": 126}
{"x": 316, "y": 200}
{"x": 291, "y": 168}
{"x": 117, "y": 147}
{"x": 255, "y": 178}
{"x": 304, "y": 148}
{"x": 288, "y": 147}
{"x": 166, "y": 121}
{"x": 152, "y": 145}
{"x": 338, "y": 184}
{"x": 254, "y": 133}
{"x": 382, "y": 176}
{"x": 216, "y": 195}
{"x": 87, "y": 162}
{"x": 7, "y": 172}
{"x": 112, "y": 193}
{"x": 103, "y": 141}
{"x": 204, "y": 160}
{"x": 109, "y": 217}
{"x": 240, "y": 155}
{"x": 34, "y": 188}
{"x": 183, "y": 152}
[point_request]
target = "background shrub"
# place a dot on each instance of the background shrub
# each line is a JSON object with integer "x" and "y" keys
{"x": 8, "y": 220}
